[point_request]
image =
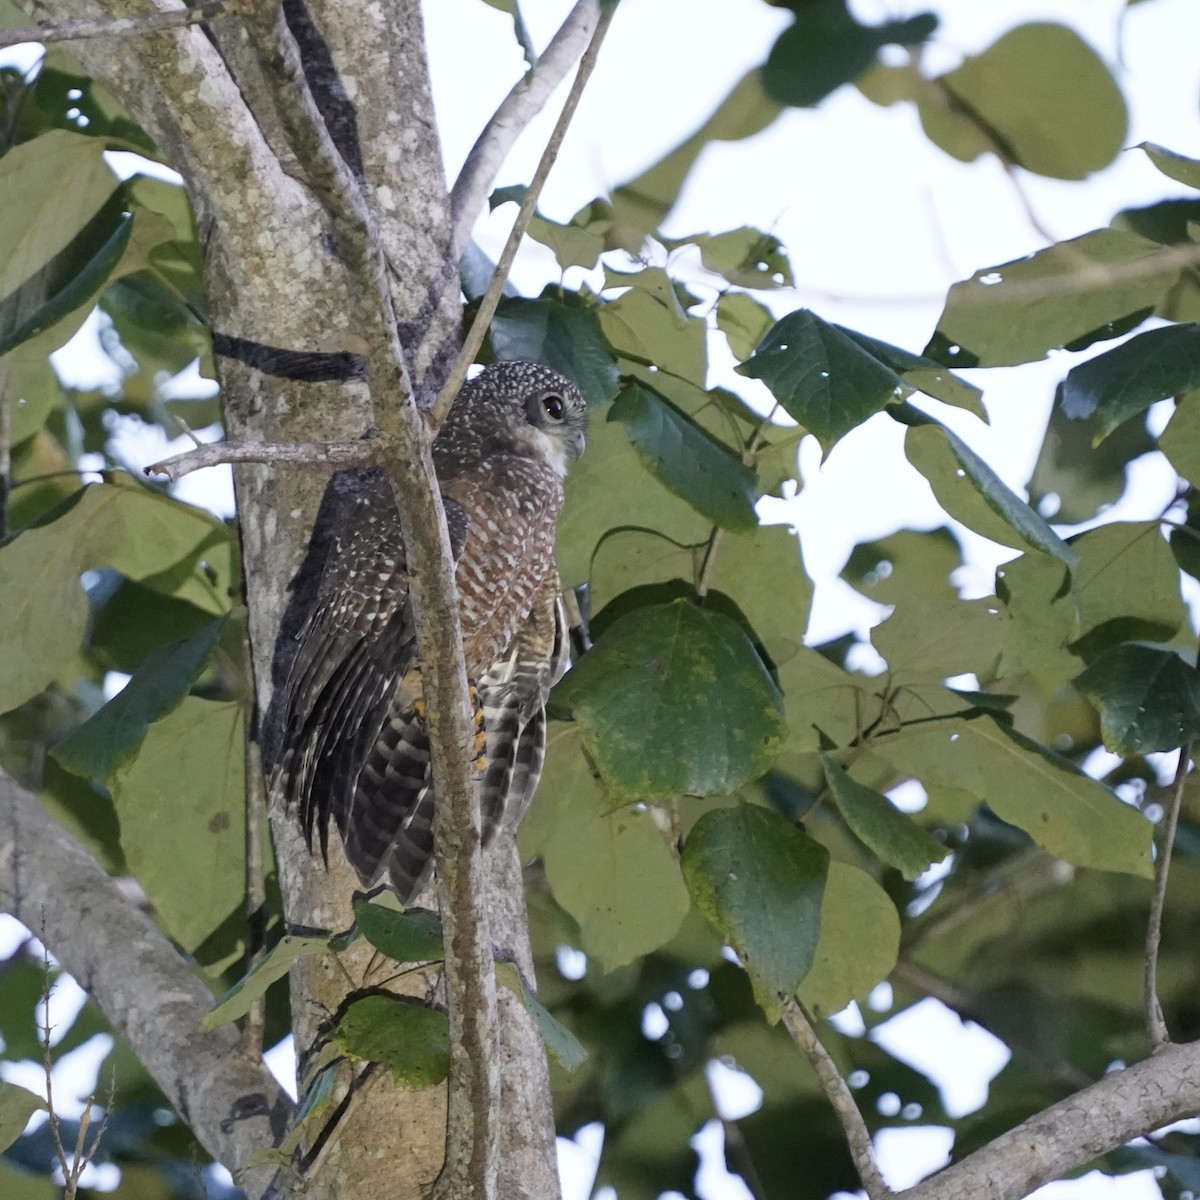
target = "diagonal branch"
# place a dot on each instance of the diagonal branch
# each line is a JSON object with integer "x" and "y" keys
{"x": 527, "y": 98}
{"x": 143, "y": 984}
{"x": 112, "y": 27}
{"x": 1058, "y": 1140}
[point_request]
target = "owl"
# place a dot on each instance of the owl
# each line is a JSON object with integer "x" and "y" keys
{"x": 347, "y": 739}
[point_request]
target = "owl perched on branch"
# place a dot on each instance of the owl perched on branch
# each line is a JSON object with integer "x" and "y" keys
{"x": 346, "y": 738}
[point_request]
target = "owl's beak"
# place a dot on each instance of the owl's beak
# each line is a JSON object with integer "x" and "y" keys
{"x": 576, "y": 441}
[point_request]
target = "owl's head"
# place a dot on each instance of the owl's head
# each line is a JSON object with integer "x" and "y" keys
{"x": 532, "y": 407}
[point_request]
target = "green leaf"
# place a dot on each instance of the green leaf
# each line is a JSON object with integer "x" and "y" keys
{"x": 907, "y": 566}
{"x": 858, "y": 944}
{"x": 922, "y": 374}
{"x": 1180, "y": 441}
{"x": 825, "y": 48}
{"x": 610, "y": 488}
{"x": 1037, "y": 593}
{"x": 759, "y": 881}
{"x": 17, "y": 1105}
{"x": 50, "y": 189}
{"x": 273, "y": 966}
{"x": 558, "y": 1039}
{"x": 763, "y": 574}
{"x": 640, "y": 205}
{"x": 825, "y": 704}
{"x": 1085, "y": 477}
{"x": 1148, "y": 697}
{"x": 821, "y": 376}
{"x": 653, "y": 716}
{"x": 743, "y": 321}
{"x": 108, "y": 739}
{"x": 745, "y": 257}
{"x": 686, "y": 460}
{"x": 1125, "y": 381}
{"x": 565, "y": 338}
{"x": 406, "y": 937}
{"x": 1046, "y": 100}
{"x": 520, "y": 32}
{"x": 1062, "y": 809}
{"x": 1126, "y": 586}
{"x": 573, "y": 246}
{"x": 640, "y": 326}
{"x": 971, "y": 492}
{"x": 138, "y": 532}
{"x": 613, "y": 872}
{"x": 187, "y": 790}
{"x": 55, "y": 297}
{"x": 1068, "y": 293}
{"x": 892, "y": 836}
{"x": 412, "y": 1041}
{"x": 942, "y": 636}
{"x": 1174, "y": 166}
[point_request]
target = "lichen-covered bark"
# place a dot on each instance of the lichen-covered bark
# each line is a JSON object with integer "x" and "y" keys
{"x": 273, "y": 278}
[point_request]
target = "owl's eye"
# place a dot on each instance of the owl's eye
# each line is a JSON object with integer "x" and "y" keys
{"x": 554, "y": 406}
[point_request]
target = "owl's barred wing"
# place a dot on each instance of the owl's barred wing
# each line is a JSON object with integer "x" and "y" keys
{"x": 346, "y": 685}
{"x": 513, "y": 695}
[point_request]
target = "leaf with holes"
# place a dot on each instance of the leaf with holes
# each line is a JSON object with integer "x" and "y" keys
{"x": 822, "y": 377}
{"x": 1148, "y": 697}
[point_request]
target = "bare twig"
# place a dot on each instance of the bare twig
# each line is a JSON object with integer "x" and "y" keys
{"x": 487, "y": 306}
{"x": 837, "y": 1092}
{"x": 113, "y": 27}
{"x": 1156, "y": 1026}
{"x": 519, "y": 107}
{"x": 325, "y": 456}
{"x": 74, "y": 1164}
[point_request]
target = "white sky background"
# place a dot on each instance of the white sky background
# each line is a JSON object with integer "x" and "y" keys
{"x": 879, "y": 223}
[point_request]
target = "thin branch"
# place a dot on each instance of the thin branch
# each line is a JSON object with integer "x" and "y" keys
{"x": 837, "y": 1092}
{"x": 325, "y": 456}
{"x": 113, "y": 27}
{"x": 141, "y": 982}
{"x": 527, "y": 98}
{"x": 710, "y": 561}
{"x": 1156, "y": 1025}
{"x": 487, "y": 306}
{"x": 256, "y": 884}
{"x": 1072, "y": 1133}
